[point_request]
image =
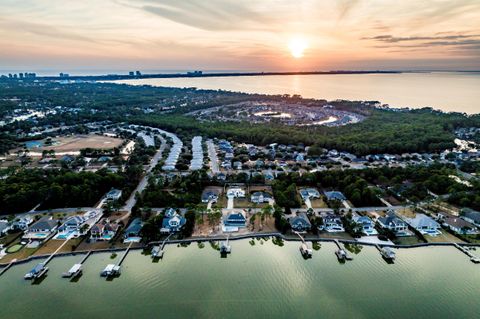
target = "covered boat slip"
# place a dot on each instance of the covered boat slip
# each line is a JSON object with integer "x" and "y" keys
{"x": 74, "y": 271}
{"x": 110, "y": 270}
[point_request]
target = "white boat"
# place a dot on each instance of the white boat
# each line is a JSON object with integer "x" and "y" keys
{"x": 110, "y": 270}
{"x": 225, "y": 248}
{"x": 306, "y": 252}
{"x": 157, "y": 252}
{"x": 387, "y": 253}
{"x": 37, "y": 272}
{"x": 341, "y": 254}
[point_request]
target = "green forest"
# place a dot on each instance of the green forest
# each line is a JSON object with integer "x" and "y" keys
{"x": 384, "y": 131}
{"x": 26, "y": 189}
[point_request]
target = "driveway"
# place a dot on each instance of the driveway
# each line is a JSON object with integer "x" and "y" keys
{"x": 230, "y": 202}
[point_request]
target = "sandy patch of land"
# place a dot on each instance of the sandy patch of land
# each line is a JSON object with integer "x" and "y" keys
{"x": 78, "y": 142}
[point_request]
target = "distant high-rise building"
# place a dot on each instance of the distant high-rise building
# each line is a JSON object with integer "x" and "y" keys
{"x": 138, "y": 73}
{"x": 131, "y": 73}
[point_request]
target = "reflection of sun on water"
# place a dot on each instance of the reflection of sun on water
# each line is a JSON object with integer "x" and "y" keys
{"x": 297, "y": 47}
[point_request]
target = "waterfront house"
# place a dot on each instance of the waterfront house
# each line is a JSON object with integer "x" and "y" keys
{"x": 300, "y": 222}
{"x": 260, "y": 197}
{"x": 424, "y": 224}
{"x": 366, "y": 224}
{"x": 22, "y": 223}
{"x": 72, "y": 223}
{"x": 103, "y": 230}
{"x": 235, "y": 219}
{"x": 172, "y": 221}
{"x": 471, "y": 216}
{"x": 332, "y": 223}
{"x": 132, "y": 232}
{"x": 42, "y": 228}
{"x": 77, "y": 225}
{"x": 307, "y": 193}
{"x": 113, "y": 194}
{"x": 394, "y": 223}
{"x": 457, "y": 224}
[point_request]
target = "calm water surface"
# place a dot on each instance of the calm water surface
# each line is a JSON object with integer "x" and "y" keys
{"x": 253, "y": 282}
{"x": 447, "y": 91}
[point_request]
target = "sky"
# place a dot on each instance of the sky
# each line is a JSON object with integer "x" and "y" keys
{"x": 240, "y": 35}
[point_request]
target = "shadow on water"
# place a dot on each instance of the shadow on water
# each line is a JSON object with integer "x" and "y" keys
{"x": 76, "y": 278}
{"x": 111, "y": 278}
{"x": 388, "y": 260}
{"x": 38, "y": 281}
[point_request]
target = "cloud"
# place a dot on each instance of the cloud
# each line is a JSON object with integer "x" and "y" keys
{"x": 392, "y": 39}
{"x": 345, "y": 6}
{"x": 44, "y": 30}
{"x": 211, "y": 15}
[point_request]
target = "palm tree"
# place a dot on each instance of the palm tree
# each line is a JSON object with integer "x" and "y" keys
{"x": 265, "y": 213}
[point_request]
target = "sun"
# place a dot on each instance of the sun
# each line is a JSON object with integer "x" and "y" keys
{"x": 297, "y": 47}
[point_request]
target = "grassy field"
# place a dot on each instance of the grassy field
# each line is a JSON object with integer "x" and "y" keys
{"x": 78, "y": 142}
{"x": 443, "y": 237}
{"x": 409, "y": 240}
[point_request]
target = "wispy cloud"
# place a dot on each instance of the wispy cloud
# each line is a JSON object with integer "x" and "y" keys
{"x": 211, "y": 15}
{"x": 392, "y": 39}
{"x": 345, "y": 6}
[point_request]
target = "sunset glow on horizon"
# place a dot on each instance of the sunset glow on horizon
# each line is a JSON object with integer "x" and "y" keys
{"x": 240, "y": 35}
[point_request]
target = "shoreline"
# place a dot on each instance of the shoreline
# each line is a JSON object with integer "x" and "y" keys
{"x": 111, "y": 77}
{"x": 237, "y": 238}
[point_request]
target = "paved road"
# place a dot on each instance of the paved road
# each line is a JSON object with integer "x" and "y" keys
{"x": 144, "y": 181}
{"x": 212, "y": 154}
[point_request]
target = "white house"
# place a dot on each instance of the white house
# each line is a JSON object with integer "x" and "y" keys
{"x": 366, "y": 223}
{"x": 114, "y": 194}
{"x": 42, "y": 228}
{"x": 260, "y": 197}
{"x": 424, "y": 224}
{"x": 393, "y": 223}
{"x": 235, "y": 192}
{"x": 332, "y": 223}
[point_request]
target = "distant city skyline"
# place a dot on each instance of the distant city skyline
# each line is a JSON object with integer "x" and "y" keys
{"x": 224, "y": 35}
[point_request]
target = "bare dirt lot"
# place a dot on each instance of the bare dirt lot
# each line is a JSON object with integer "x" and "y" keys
{"x": 78, "y": 142}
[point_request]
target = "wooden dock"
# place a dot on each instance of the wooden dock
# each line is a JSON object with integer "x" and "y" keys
{"x": 387, "y": 253}
{"x": 225, "y": 247}
{"x": 113, "y": 270}
{"x": 76, "y": 269}
{"x": 306, "y": 251}
{"x": 124, "y": 255}
{"x": 341, "y": 252}
{"x": 7, "y": 267}
{"x": 157, "y": 251}
{"x": 473, "y": 258}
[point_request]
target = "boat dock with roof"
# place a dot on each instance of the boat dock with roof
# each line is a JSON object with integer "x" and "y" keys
{"x": 113, "y": 270}
{"x": 76, "y": 269}
{"x": 342, "y": 255}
